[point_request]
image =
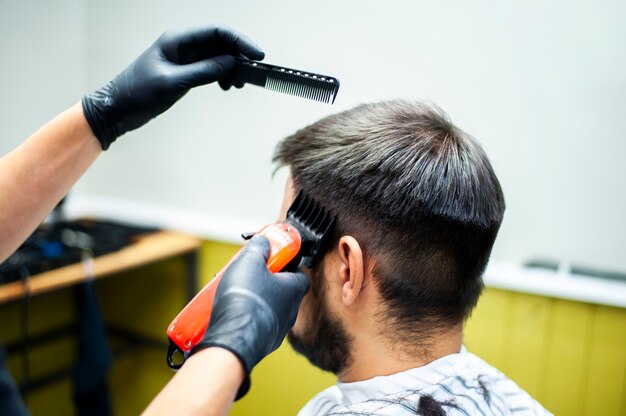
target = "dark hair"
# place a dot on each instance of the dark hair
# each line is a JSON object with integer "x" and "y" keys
{"x": 418, "y": 193}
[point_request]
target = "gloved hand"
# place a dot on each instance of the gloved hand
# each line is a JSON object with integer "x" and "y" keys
{"x": 253, "y": 308}
{"x": 176, "y": 62}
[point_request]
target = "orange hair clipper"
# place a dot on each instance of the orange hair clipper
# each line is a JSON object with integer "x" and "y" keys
{"x": 296, "y": 242}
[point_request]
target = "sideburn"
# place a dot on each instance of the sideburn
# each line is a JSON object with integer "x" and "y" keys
{"x": 325, "y": 342}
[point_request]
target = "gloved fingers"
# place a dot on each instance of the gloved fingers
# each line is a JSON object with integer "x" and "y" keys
{"x": 190, "y": 45}
{"x": 205, "y": 71}
{"x": 298, "y": 282}
{"x": 240, "y": 43}
{"x": 256, "y": 246}
{"x": 226, "y": 83}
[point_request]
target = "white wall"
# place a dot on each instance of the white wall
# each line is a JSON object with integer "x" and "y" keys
{"x": 541, "y": 85}
{"x": 41, "y": 64}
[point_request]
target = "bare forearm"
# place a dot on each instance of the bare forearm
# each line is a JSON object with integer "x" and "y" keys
{"x": 205, "y": 385}
{"x": 37, "y": 174}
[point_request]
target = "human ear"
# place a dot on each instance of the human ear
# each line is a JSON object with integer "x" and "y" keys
{"x": 351, "y": 269}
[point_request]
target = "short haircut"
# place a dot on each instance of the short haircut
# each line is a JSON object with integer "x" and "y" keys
{"x": 418, "y": 193}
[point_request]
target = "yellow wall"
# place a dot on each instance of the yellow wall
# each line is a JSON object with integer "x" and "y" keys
{"x": 46, "y": 311}
{"x": 571, "y": 356}
{"x": 143, "y": 301}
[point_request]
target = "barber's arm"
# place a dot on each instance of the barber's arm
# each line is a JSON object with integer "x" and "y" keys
{"x": 252, "y": 312}
{"x": 37, "y": 174}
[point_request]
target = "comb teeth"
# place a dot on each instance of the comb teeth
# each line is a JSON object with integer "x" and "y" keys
{"x": 314, "y": 225}
{"x": 302, "y": 84}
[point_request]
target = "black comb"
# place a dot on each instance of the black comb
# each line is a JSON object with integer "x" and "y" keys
{"x": 289, "y": 81}
{"x": 315, "y": 226}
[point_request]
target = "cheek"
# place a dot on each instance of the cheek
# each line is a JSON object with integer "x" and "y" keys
{"x": 305, "y": 307}
{"x": 303, "y": 315}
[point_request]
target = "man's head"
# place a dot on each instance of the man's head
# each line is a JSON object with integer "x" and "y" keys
{"x": 418, "y": 207}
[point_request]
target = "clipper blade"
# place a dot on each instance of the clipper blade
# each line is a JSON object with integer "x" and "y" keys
{"x": 315, "y": 225}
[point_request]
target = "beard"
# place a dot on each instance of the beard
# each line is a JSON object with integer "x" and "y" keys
{"x": 324, "y": 340}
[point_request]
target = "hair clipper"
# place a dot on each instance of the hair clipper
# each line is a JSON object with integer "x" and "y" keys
{"x": 298, "y": 241}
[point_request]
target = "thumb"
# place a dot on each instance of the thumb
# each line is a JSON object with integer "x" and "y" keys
{"x": 206, "y": 71}
{"x": 298, "y": 282}
{"x": 257, "y": 246}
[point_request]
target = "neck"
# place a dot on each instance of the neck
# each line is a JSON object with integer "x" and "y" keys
{"x": 380, "y": 356}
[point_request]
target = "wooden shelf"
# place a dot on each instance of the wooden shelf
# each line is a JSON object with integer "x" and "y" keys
{"x": 148, "y": 249}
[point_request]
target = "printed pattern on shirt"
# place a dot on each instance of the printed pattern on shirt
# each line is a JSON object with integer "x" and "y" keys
{"x": 459, "y": 384}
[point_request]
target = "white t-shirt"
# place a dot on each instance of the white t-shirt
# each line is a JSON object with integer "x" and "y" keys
{"x": 457, "y": 384}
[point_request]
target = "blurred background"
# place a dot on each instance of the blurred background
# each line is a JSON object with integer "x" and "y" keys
{"x": 541, "y": 85}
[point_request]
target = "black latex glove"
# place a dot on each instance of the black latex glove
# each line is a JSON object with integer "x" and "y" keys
{"x": 176, "y": 62}
{"x": 253, "y": 309}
